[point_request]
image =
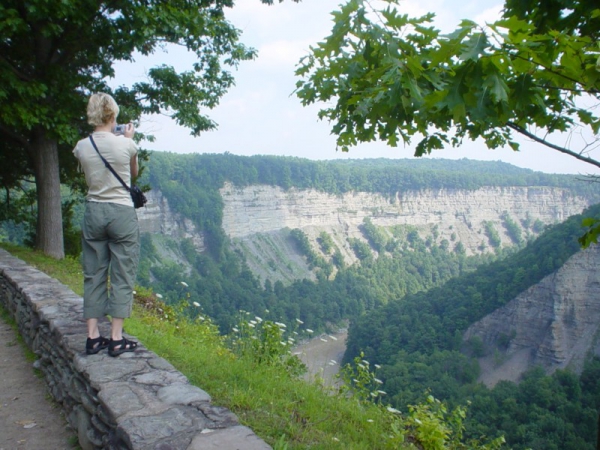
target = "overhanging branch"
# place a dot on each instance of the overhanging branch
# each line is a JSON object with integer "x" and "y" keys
{"x": 566, "y": 151}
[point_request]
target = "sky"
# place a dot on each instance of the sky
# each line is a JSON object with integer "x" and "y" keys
{"x": 262, "y": 116}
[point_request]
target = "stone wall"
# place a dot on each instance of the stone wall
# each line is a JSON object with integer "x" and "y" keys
{"x": 135, "y": 401}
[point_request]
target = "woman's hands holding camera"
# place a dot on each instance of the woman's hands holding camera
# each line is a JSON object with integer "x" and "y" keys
{"x": 129, "y": 130}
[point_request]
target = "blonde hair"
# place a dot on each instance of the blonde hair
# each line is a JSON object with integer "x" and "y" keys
{"x": 102, "y": 109}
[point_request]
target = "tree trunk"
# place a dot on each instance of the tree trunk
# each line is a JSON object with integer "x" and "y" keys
{"x": 49, "y": 228}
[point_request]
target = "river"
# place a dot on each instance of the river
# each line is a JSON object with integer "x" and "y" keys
{"x": 323, "y": 356}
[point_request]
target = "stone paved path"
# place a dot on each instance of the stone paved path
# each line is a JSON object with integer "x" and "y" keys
{"x": 28, "y": 419}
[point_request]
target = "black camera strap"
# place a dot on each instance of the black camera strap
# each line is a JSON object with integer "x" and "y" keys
{"x": 109, "y": 167}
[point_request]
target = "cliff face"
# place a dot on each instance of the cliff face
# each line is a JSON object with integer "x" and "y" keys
{"x": 254, "y": 217}
{"x": 157, "y": 218}
{"x": 260, "y": 209}
{"x": 258, "y": 219}
{"x": 554, "y": 324}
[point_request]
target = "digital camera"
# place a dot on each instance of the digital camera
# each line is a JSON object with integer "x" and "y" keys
{"x": 119, "y": 130}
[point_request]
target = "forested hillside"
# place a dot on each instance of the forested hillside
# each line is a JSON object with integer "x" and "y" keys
{"x": 418, "y": 341}
{"x": 407, "y": 262}
{"x": 408, "y": 299}
{"x": 191, "y": 183}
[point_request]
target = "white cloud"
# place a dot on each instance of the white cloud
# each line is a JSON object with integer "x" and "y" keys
{"x": 283, "y": 53}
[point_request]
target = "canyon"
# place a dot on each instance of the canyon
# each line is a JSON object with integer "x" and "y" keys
{"x": 553, "y": 324}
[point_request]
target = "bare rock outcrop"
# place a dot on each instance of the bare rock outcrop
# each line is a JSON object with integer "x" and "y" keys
{"x": 258, "y": 219}
{"x": 158, "y": 218}
{"x": 554, "y": 324}
{"x": 254, "y": 216}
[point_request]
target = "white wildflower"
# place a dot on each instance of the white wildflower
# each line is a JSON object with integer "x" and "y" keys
{"x": 393, "y": 410}
{"x": 324, "y": 340}
{"x": 382, "y": 392}
{"x": 196, "y": 304}
{"x": 377, "y": 380}
{"x": 267, "y": 311}
{"x": 377, "y": 366}
{"x": 299, "y": 321}
{"x": 335, "y": 439}
{"x": 134, "y": 292}
{"x": 308, "y": 330}
{"x": 259, "y": 320}
{"x": 365, "y": 362}
{"x": 253, "y": 322}
{"x": 333, "y": 361}
{"x": 251, "y": 325}
{"x": 333, "y": 337}
{"x": 370, "y": 420}
{"x": 280, "y": 325}
{"x": 158, "y": 296}
{"x": 183, "y": 283}
{"x": 236, "y": 330}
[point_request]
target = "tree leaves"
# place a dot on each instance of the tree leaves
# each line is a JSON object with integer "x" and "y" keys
{"x": 403, "y": 77}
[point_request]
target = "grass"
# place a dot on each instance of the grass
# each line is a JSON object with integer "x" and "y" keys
{"x": 265, "y": 398}
{"x": 285, "y": 411}
{"x": 67, "y": 271}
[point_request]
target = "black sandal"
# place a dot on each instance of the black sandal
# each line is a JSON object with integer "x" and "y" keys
{"x": 93, "y": 346}
{"x": 115, "y": 348}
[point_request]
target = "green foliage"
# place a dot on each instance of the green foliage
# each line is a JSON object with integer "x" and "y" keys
{"x": 391, "y": 77}
{"x": 418, "y": 342}
{"x": 359, "y": 380}
{"x": 374, "y": 235}
{"x": 306, "y": 249}
{"x": 265, "y": 342}
{"x": 428, "y": 321}
{"x": 427, "y": 425}
{"x": 492, "y": 234}
{"x": 361, "y": 249}
{"x": 592, "y": 231}
{"x": 326, "y": 242}
{"x": 512, "y": 228}
{"x": 55, "y": 53}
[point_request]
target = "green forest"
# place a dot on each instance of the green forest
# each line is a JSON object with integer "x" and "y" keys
{"x": 407, "y": 307}
{"x": 417, "y": 340}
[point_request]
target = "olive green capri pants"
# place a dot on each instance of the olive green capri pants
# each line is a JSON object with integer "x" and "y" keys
{"x": 111, "y": 245}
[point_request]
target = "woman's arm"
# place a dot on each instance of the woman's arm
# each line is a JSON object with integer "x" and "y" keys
{"x": 133, "y": 164}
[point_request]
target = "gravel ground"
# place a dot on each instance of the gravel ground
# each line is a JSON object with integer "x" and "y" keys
{"x": 29, "y": 420}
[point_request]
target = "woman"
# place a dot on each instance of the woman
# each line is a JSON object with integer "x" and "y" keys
{"x": 110, "y": 227}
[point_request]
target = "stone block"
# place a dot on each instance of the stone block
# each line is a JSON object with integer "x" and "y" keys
{"x": 236, "y": 438}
